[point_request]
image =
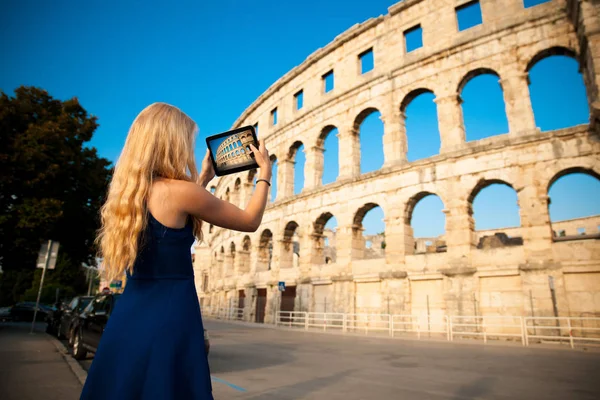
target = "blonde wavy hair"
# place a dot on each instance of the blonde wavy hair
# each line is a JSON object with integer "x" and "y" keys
{"x": 160, "y": 143}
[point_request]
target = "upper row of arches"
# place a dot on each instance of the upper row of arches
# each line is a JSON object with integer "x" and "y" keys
{"x": 368, "y": 58}
{"x": 558, "y": 99}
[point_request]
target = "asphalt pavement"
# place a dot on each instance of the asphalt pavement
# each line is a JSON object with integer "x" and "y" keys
{"x": 31, "y": 367}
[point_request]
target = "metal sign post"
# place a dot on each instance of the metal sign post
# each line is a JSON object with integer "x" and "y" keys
{"x": 48, "y": 254}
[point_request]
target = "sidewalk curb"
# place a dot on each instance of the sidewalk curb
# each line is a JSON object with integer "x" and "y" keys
{"x": 73, "y": 364}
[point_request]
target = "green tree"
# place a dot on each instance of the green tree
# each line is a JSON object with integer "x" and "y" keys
{"x": 51, "y": 187}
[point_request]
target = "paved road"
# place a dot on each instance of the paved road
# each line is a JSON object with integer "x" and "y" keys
{"x": 275, "y": 364}
{"x": 252, "y": 363}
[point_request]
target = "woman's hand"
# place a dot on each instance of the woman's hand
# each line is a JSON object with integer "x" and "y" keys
{"x": 263, "y": 160}
{"x": 207, "y": 173}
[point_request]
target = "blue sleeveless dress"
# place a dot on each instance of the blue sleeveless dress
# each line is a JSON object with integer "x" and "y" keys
{"x": 153, "y": 344}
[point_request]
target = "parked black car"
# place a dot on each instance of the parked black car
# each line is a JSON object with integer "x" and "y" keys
{"x": 60, "y": 322}
{"x": 24, "y": 312}
{"x": 89, "y": 325}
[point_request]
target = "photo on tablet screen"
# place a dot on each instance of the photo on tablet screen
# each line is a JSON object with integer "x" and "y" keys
{"x": 232, "y": 152}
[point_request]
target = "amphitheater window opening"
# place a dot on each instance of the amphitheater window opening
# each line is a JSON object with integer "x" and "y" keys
{"x": 573, "y": 204}
{"x": 327, "y": 161}
{"x": 213, "y": 189}
{"x": 274, "y": 116}
{"x": 252, "y": 176}
{"x": 290, "y": 246}
{"x": 426, "y": 222}
{"x": 557, "y": 90}
{"x": 369, "y": 127}
{"x": 483, "y": 107}
{"x": 231, "y": 260}
{"x": 494, "y": 206}
{"x": 299, "y": 99}
{"x": 328, "y": 82}
{"x": 256, "y": 128}
{"x": 422, "y": 131}
{"x": 533, "y": 3}
{"x": 468, "y": 15}
{"x": 366, "y": 61}
{"x": 237, "y": 189}
{"x": 244, "y": 257}
{"x": 327, "y": 260}
{"x": 413, "y": 38}
{"x": 299, "y": 158}
{"x": 210, "y": 228}
{"x": 274, "y": 169}
{"x": 324, "y": 238}
{"x": 265, "y": 251}
{"x": 368, "y": 244}
{"x": 368, "y": 226}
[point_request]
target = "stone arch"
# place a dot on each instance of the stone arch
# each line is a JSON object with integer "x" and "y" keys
{"x": 413, "y": 94}
{"x": 236, "y": 193}
{"x": 549, "y": 52}
{"x": 482, "y": 103}
{"x": 265, "y": 251}
{"x": 274, "y": 170}
{"x": 360, "y": 250}
{"x": 422, "y": 133}
{"x": 230, "y": 260}
{"x": 327, "y": 163}
{"x": 498, "y": 235}
{"x": 323, "y": 246}
{"x": 298, "y": 161}
{"x": 368, "y": 132}
{"x": 557, "y": 106}
{"x": 580, "y": 189}
{"x": 290, "y": 250}
{"x": 434, "y": 242}
{"x": 243, "y": 258}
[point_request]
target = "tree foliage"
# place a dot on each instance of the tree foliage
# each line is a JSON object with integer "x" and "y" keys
{"x": 51, "y": 187}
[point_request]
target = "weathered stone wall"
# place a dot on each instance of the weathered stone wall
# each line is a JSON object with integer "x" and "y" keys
{"x": 464, "y": 279}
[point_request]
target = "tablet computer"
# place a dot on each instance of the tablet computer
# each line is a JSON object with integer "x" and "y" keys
{"x": 230, "y": 151}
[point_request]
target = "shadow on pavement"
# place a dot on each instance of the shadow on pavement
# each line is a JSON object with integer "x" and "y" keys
{"x": 297, "y": 390}
{"x": 476, "y": 389}
{"x": 245, "y": 357}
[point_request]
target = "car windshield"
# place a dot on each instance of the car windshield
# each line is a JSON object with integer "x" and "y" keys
{"x": 83, "y": 303}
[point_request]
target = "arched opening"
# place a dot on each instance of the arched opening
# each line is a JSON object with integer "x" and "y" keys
{"x": 230, "y": 260}
{"x": 557, "y": 90}
{"x": 368, "y": 226}
{"x": 221, "y": 263}
{"x": 273, "y": 192}
{"x": 213, "y": 189}
{"x": 421, "y": 122}
{"x": 425, "y": 224}
{"x": 369, "y": 128}
{"x": 297, "y": 156}
{"x": 494, "y": 206}
{"x": 265, "y": 251}
{"x": 327, "y": 160}
{"x": 227, "y": 196}
{"x": 237, "y": 193}
{"x": 290, "y": 252}
{"x": 324, "y": 239}
{"x": 244, "y": 256}
{"x": 573, "y": 204}
{"x": 484, "y": 111}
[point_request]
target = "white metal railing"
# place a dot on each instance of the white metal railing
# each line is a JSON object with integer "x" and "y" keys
{"x": 487, "y": 326}
{"x": 527, "y": 330}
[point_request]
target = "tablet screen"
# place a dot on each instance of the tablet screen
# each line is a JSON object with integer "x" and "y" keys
{"x": 230, "y": 151}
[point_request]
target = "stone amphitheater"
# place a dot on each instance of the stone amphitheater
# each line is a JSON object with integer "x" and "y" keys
{"x": 535, "y": 269}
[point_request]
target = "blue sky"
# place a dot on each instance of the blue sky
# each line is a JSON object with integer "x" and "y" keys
{"x": 213, "y": 59}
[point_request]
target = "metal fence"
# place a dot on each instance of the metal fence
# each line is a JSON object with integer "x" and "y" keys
{"x": 527, "y": 330}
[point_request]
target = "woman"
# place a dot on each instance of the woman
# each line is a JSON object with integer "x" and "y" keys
{"x": 153, "y": 345}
